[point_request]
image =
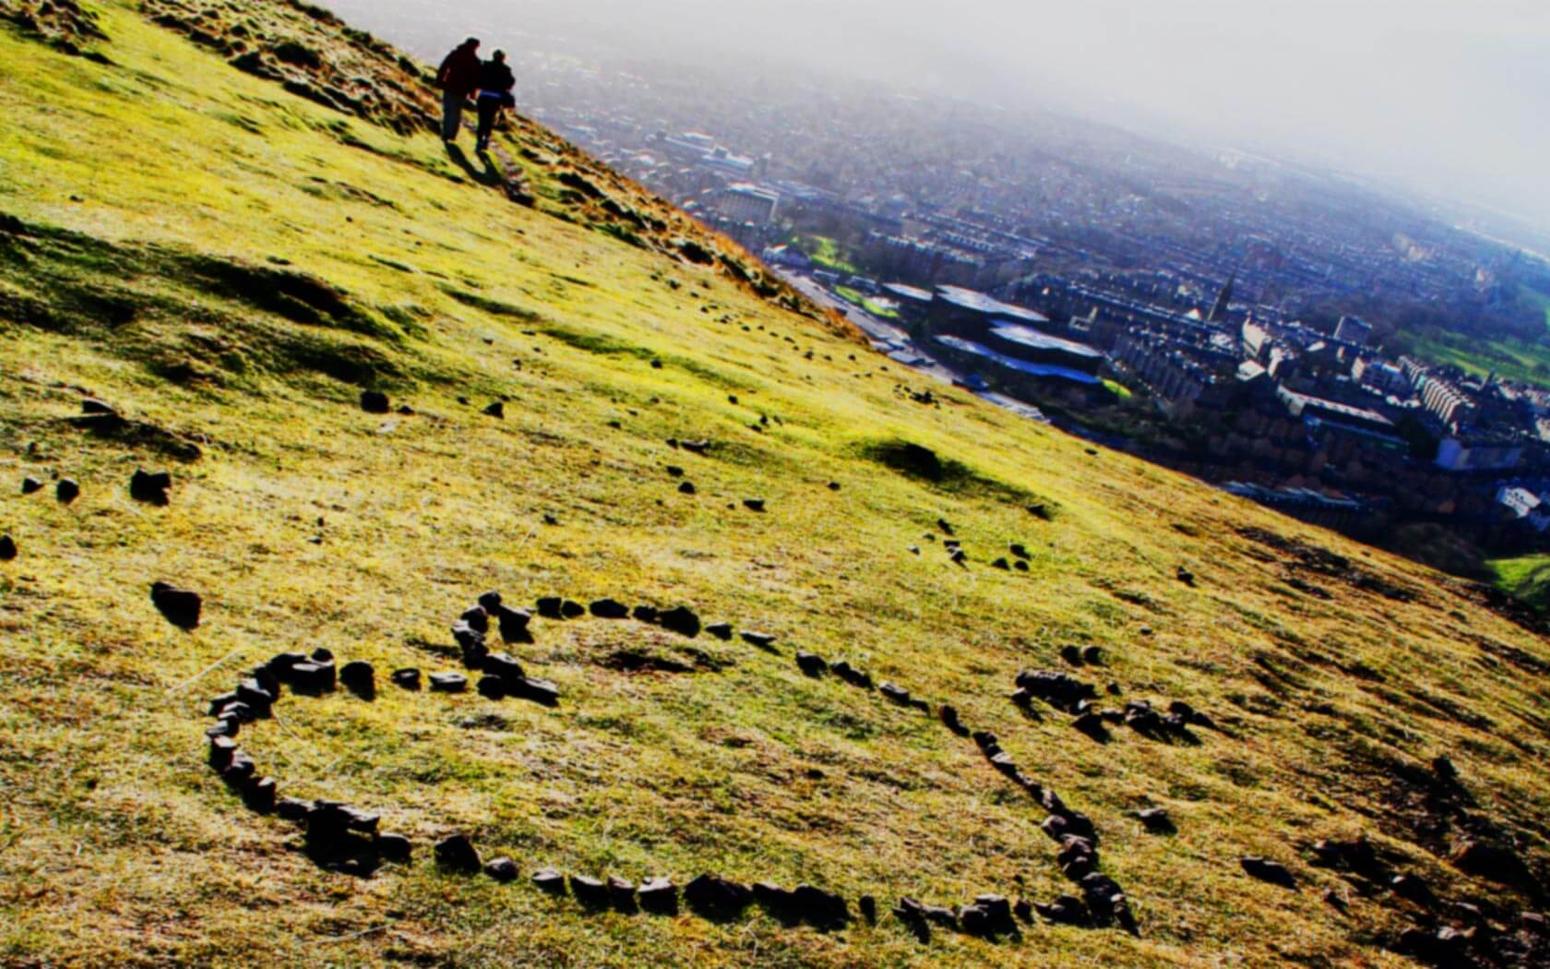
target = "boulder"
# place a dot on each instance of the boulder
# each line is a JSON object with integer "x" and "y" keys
{"x": 1413, "y": 888}
{"x": 621, "y": 894}
{"x": 503, "y": 666}
{"x": 258, "y": 699}
{"x": 1064, "y": 910}
{"x": 659, "y": 896}
{"x": 549, "y": 607}
{"x": 1092, "y": 655}
{"x": 868, "y": 906}
{"x": 8, "y": 550}
{"x": 1020, "y": 566}
{"x": 477, "y": 618}
{"x": 313, "y": 679}
{"x": 754, "y": 504}
{"x": 895, "y": 693}
{"x": 292, "y": 809}
{"x": 496, "y": 409}
{"x": 1155, "y": 820}
{"x": 721, "y": 630}
{"x": 222, "y": 749}
{"x": 987, "y": 917}
{"x": 949, "y": 717}
{"x": 491, "y": 601}
{"x": 687, "y": 488}
{"x": 491, "y": 687}
{"x": 31, "y": 485}
{"x": 179, "y": 606}
{"x": 67, "y": 490}
{"x": 150, "y": 488}
{"x": 501, "y": 869}
{"x": 851, "y": 675}
{"x": 761, "y": 640}
{"x": 457, "y": 854}
{"x": 259, "y": 795}
{"x": 649, "y": 614}
{"x": 1001, "y": 564}
{"x": 570, "y": 609}
{"x": 374, "y": 402}
{"x": 449, "y": 683}
{"x": 1495, "y": 862}
{"x": 541, "y": 692}
{"x": 819, "y": 908}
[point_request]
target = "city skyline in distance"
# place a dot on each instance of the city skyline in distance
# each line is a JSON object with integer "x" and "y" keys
{"x": 1421, "y": 97}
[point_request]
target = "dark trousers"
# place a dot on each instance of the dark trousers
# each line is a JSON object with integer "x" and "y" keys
{"x": 489, "y": 110}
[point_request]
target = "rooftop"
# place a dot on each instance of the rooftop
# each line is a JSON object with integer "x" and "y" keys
{"x": 1029, "y": 337}
{"x": 1043, "y": 370}
{"x": 981, "y": 303}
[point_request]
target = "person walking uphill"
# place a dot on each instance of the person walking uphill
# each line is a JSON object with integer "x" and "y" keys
{"x": 457, "y": 78}
{"x": 495, "y": 84}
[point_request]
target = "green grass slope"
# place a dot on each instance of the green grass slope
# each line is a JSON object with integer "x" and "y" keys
{"x": 228, "y": 259}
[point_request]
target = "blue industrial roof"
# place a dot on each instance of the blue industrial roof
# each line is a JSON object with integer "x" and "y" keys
{"x": 1045, "y": 370}
{"x": 1029, "y": 337}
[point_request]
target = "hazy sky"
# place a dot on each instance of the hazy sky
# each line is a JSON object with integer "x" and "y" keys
{"x": 1447, "y": 96}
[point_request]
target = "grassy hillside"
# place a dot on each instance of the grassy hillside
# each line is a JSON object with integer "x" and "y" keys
{"x": 227, "y": 258}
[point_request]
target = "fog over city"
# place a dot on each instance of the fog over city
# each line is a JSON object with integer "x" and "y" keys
{"x": 1443, "y": 97}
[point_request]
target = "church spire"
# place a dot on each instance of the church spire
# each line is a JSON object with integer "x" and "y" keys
{"x": 1219, "y": 311}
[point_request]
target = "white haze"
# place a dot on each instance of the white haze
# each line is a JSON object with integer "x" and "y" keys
{"x": 1446, "y": 97}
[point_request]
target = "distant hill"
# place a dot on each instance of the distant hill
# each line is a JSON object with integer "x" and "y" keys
{"x": 964, "y": 655}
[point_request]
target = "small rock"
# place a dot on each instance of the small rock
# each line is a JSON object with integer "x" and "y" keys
{"x": 359, "y": 678}
{"x": 761, "y": 640}
{"x": 490, "y": 602}
{"x": 549, "y": 881}
{"x": 150, "y": 488}
{"x": 609, "y": 609}
{"x": 491, "y": 687}
{"x": 811, "y": 664}
{"x": 754, "y": 504}
{"x": 501, "y": 869}
{"x": 1020, "y": 565}
{"x": 1001, "y": 564}
{"x": 897, "y": 694}
{"x": 659, "y": 896}
{"x": 621, "y": 893}
{"x": 1268, "y": 871}
{"x": 457, "y": 854}
{"x": 1092, "y": 655}
{"x": 681, "y": 620}
{"x": 407, "y": 678}
{"x": 449, "y": 683}
{"x": 687, "y": 488}
{"x": 395, "y": 847}
{"x": 477, "y": 619}
{"x": 649, "y": 614}
{"x": 1156, "y": 820}
{"x": 721, "y": 630}
{"x": 714, "y": 897}
{"x": 674, "y": 471}
{"x": 67, "y": 490}
{"x": 496, "y": 410}
{"x": 180, "y": 606}
{"x": 374, "y": 402}
{"x": 8, "y": 550}
{"x": 589, "y": 891}
{"x": 949, "y": 717}
{"x": 549, "y": 607}
{"x": 541, "y": 692}
{"x": 570, "y": 609}
{"x": 868, "y": 907}
{"x": 31, "y": 486}
{"x": 513, "y": 623}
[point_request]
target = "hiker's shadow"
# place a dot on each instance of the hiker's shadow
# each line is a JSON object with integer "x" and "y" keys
{"x": 488, "y": 175}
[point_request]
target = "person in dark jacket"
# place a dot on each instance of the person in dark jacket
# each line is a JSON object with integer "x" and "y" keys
{"x": 495, "y": 84}
{"x": 457, "y": 78}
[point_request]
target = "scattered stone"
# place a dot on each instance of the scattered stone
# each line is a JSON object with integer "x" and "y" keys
{"x": 570, "y": 609}
{"x": 686, "y": 488}
{"x": 491, "y": 687}
{"x": 222, "y": 749}
{"x": 313, "y": 678}
{"x": 681, "y": 620}
{"x": 987, "y": 917}
{"x": 754, "y": 504}
{"x": 761, "y": 640}
{"x": 1018, "y": 551}
{"x": 1413, "y": 888}
{"x": 490, "y": 602}
{"x": 180, "y": 606}
{"x": 695, "y": 447}
{"x": 477, "y": 619}
{"x": 359, "y": 678}
{"x": 912, "y": 914}
{"x": 541, "y": 692}
{"x": 1001, "y": 564}
{"x": 1020, "y": 565}
{"x": 513, "y": 623}
{"x": 1268, "y": 871}
{"x": 374, "y": 402}
{"x": 609, "y": 609}
{"x": 151, "y": 488}
{"x": 647, "y": 614}
{"x": 716, "y": 898}
{"x": 1092, "y": 655}
{"x": 1156, "y": 820}
{"x": 457, "y": 854}
{"x": 1185, "y": 576}
{"x": 1494, "y": 862}
{"x": 549, "y": 607}
{"x": 659, "y": 896}
{"x": 408, "y": 678}
{"x": 502, "y": 869}
{"x": 811, "y": 664}
{"x": 395, "y": 847}
{"x": 1064, "y": 910}
{"x": 821, "y": 909}
{"x": 944, "y": 527}
{"x": 674, "y": 471}
{"x": 8, "y": 550}
{"x": 496, "y": 410}
{"x": 949, "y": 717}
{"x": 549, "y": 881}
{"x": 589, "y": 891}
{"x": 835, "y": 486}
{"x": 721, "y": 630}
{"x": 1059, "y": 689}
{"x": 897, "y": 694}
{"x": 67, "y": 490}
{"x": 851, "y": 675}
{"x": 292, "y": 809}
{"x": 868, "y": 906}
{"x": 31, "y": 485}
{"x": 449, "y": 683}
{"x": 1071, "y": 654}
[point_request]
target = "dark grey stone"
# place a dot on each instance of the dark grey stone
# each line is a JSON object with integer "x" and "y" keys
{"x": 395, "y": 847}
{"x": 457, "y": 854}
{"x": 374, "y": 402}
{"x": 407, "y": 678}
{"x": 179, "y": 606}
{"x": 659, "y": 896}
{"x": 501, "y": 869}
{"x": 609, "y": 609}
{"x": 148, "y": 487}
{"x": 359, "y": 678}
{"x": 549, "y": 881}
{"x": 449, "y": 683}
{"x": 67, "y": 490}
